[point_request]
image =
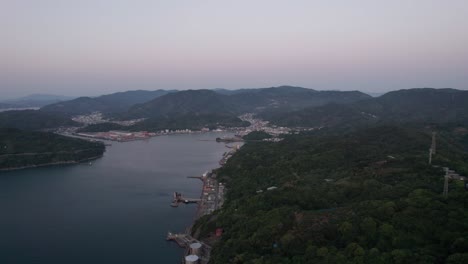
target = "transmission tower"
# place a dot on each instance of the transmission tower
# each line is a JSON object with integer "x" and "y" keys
{"x": 446, "y": 183}
{"x": 430, "y": 156}
{"x": 432, "y": 150}
{"x": 433, "y": 145}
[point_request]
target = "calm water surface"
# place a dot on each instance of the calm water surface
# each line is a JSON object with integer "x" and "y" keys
{"x": 114, "y": 211}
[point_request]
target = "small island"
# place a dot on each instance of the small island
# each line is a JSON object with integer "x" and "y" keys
{"x": 26, "y": 149}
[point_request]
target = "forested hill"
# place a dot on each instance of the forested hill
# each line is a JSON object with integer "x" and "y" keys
{"x": 33, "y": 100}
{"x": 110, "y": 103}
{"x": 362, "y": 197}
{"x": 423, "y": 105}
{"x": 146, "y": 104}
{"x": 33, "y": 120}
{"x": 183, "y": 102}
{"x": 287, "y": 98}
{"x": 22, "y": 149}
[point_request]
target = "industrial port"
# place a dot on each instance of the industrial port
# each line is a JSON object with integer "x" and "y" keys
{"x": 212, "y": 197}
{"x": 213, "y": 191}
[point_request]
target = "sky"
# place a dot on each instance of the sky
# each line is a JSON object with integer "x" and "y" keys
{"x": 93, "y": 47}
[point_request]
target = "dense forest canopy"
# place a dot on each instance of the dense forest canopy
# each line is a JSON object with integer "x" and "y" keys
{"x": 358, "y": 197}
{"x": 33, "y": 120}
{"x": 425, "y": 105}
{"x": 20, "y": 149}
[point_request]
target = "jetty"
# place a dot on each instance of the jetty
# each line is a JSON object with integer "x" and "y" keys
{"x": 192, "y": 246}
{"x": 229, "y": 139}
{"x": 196, "y": 177}
{"x": 183, "y": 240}
{"x": 178, "y": 199}
{"x": 212, "y": 198}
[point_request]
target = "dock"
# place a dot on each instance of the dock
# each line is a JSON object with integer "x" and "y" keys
{"x": 201, "y": 178}
{"x": 178, "y": 199}
{"x": 229, "y": 139}
{"x": 212, "y": 198}
{"x": 185, "y": 240}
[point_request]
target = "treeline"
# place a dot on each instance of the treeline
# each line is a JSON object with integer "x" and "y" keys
{"x": 33, "y": 120}
{"x": 20, "y": 149}
{"x": 425, "y": 105}
{"x": 257, "y": 135}
{"x": 186, "y": 121}
{"x": 362, "y": 197}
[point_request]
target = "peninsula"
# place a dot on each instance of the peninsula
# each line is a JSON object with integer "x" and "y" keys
{"x": 27, "y": 149}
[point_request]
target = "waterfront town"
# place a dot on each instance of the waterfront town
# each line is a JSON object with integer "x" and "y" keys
{"x": 212, "y": 198}
{"x": 98, "y": 118}
{"x": 256, "y": 124}
{"x": 213, "y": 191}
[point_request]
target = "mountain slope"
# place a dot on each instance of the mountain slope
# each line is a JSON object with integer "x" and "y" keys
{"x": 241, "y": 101}
{"x": 33, "y": 120}
{"x": 363, "y": 197}
{"x": 423, "y": 105}
{"x": 329, "y": 115}
{"x": 194, "y": 102}
{"x": 6, "y": 105}
{"x": 111, "y": 103}
{"x": 286, "y": 98}
{"x": 34, "y": 100}
{"x": 22, "y": 149}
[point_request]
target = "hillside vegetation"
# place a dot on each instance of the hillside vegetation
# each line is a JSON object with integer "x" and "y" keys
{"x": 110, "y": 103}
{"x": 191, "y": 109}
{"x": 33, "y": 120}
{"x": 240, "y": 101}
{"x": 426, "y": 105}
{"x": 361, "y": 197}
{"x": 21, "y": 149}
{"x": 33, "y": 100}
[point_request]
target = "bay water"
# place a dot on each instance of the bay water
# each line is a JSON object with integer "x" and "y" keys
{"x": 113, "y": 210}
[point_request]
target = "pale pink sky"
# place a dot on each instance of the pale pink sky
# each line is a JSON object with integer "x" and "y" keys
{"x": 90, "y": 47}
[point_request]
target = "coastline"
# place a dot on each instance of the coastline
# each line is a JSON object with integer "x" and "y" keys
{"x": 70, "y": 162}
{"x": 135, "y": 210}
{"x": 211, "y": 199}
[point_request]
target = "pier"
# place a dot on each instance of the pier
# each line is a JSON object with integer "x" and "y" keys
{"x": 201, "y": 178}
{"x": 212, "y": 198}
{"x": 185, "y": 241}
{"x": 178, "y": 199}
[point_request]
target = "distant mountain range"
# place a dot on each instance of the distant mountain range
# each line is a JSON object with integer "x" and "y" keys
{"x": 424, "y": 105}
{"x": 183, "y": 102}
{"x": 240, "y": 101}
{"x": 284, "y": 106}
{"x": 33, "y": 101}
{"x": 136, "y": 104}
{"x": 211, "y": 108}
{"x": 111, "y": 103}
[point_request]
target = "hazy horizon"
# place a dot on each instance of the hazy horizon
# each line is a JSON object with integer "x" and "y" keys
{"x": 90, "y": 48}
{"x": 70, "y": 97}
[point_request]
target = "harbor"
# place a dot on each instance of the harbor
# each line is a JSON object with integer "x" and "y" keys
{"x": 211, "y": 199}
{"x": 125, "y": 213}
{"x": 195, "y": 250}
